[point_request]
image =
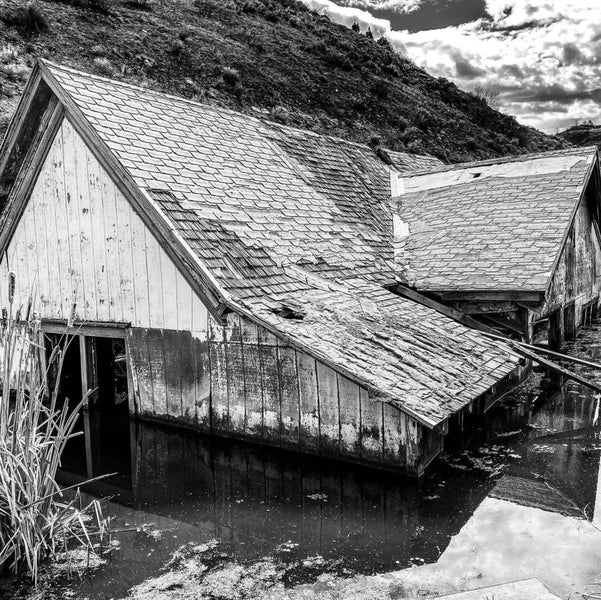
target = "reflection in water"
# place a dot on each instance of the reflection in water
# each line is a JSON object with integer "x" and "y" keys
{"x": 254, "y": 499}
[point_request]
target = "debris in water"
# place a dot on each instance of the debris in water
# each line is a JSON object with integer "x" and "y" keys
{"x": 77, "y": 560}
{"x": 323, "y": 497}
{"x": 146, "y": 529}
{"x": 287, "y": 547}
{"x": 543, "y": 449}
{"x": 506, "y": 434}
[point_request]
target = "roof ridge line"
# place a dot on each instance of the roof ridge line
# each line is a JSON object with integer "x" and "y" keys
{"x": 503, "y": 160}
{"x": 196, "y": 103}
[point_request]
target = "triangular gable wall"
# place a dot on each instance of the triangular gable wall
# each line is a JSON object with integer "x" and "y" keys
{"x": 79, "y": 241}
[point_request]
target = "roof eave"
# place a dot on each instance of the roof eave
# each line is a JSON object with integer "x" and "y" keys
{"x": 534, "y": 295}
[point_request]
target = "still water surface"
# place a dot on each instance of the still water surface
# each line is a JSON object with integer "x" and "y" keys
{"x": 524, "y": 502}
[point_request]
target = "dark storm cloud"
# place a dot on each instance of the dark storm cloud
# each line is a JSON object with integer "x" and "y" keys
{"x": 520, "y": 26}
{"x": 465, "y": 69}
{"x": 555, "y": 93}
{"x": 416, "y": 15}
{"x": 572, "y": 55}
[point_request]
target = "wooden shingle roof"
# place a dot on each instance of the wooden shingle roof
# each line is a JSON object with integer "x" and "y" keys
{"x": 282, "y": 218}
{"x": 490, "y": 226}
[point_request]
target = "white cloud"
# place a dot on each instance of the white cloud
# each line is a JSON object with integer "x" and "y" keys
{"x": 347, "y": 15}
{"x": 544, "y": 58}
{"x": 402, "y": 6}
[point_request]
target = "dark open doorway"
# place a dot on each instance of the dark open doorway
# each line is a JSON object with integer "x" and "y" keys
{"x": 96, "y": 366}
{"x": 69, "y": 390}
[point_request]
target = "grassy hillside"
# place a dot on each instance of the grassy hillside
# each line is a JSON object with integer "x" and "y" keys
{"x": 582, "y": 135}
{"x": 269, "y": 57}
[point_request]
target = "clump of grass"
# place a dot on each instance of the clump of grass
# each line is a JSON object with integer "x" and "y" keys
{"x": 230, "y": 75}
{"x": 37, "y": 519}
{"x": 29, "y": 17}
{"x": 103, "y": 66}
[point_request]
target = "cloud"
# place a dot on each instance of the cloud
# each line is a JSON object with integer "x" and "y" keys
{"x": 544, "y": 58}
{"x": 348, "y": 15}
{"x": 401, "y": 6}
{"x": 465, "y": 69}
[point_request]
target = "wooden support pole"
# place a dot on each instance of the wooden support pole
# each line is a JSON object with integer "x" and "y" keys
{"x": 452, "y": 313}
{"x": 555, "y": 367}
{"x": 559, "y": 355}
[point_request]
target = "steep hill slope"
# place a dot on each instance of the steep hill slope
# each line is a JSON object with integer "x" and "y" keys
{"x": 270, "y": 57}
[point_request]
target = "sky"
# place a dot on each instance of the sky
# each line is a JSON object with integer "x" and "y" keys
{"x": 542, "y": 56}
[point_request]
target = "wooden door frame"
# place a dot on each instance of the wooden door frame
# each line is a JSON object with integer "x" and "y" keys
{"x": 95, "y": 329}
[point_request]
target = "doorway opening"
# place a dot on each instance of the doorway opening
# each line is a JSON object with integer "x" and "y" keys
{"x": 95, "y": 367}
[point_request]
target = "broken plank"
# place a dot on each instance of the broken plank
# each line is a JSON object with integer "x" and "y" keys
{"x": 555, "y": 367}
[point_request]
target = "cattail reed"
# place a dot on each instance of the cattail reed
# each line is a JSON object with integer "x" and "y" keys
{"x": 37, "y": 518}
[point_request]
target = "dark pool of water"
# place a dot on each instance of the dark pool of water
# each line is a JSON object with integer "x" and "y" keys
{"x": 517, "y": 505}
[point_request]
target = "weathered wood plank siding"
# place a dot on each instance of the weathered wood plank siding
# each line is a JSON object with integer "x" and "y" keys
{"x": 273, "y": 393}
{"x": 578, "y": 274}
{"x": 80, "y": 242}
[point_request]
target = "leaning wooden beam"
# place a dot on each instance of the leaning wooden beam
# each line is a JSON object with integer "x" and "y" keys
{"x": 553, "y": 366}
{"x": 457, "y": 315}
{"x": 559, "y": 355}
{"x": 522, "y": 348}
{"x": 574, "y": 359}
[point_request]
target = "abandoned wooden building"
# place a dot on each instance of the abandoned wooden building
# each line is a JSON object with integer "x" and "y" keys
{"x": 230, "y": 275}
{"x": 513, "y": 242}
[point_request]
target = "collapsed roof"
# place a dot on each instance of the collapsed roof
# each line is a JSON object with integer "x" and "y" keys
{"x": 495, "y": 225}
{"x": 283, "y": 223}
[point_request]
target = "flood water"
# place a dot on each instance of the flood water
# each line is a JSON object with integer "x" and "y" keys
{"x": 523, "y": 502}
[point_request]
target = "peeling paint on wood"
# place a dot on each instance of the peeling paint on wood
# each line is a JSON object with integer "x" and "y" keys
{"x": 289, "y": 395}
{"x": 81, "y": 242}
{"x": 349, "y": 397}
{"x": 372, "y": 438}
{"x": 235, "y": 376}
{"x": 395, "y": 436}
{"x": 329, "y": 411}
{"x": 202, "y": 383}
{"x": 270, "y": 381}
{"x": 309, "y": 402}
{"x": 219, "y": 384}
{"x": 252, "y": 366}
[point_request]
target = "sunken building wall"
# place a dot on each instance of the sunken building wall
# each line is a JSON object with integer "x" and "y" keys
{"x": 89, "y": 259}
{"x": 573, "y": 295}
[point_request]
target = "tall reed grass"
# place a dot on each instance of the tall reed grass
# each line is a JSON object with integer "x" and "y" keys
{"x": 37, "y": 518}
